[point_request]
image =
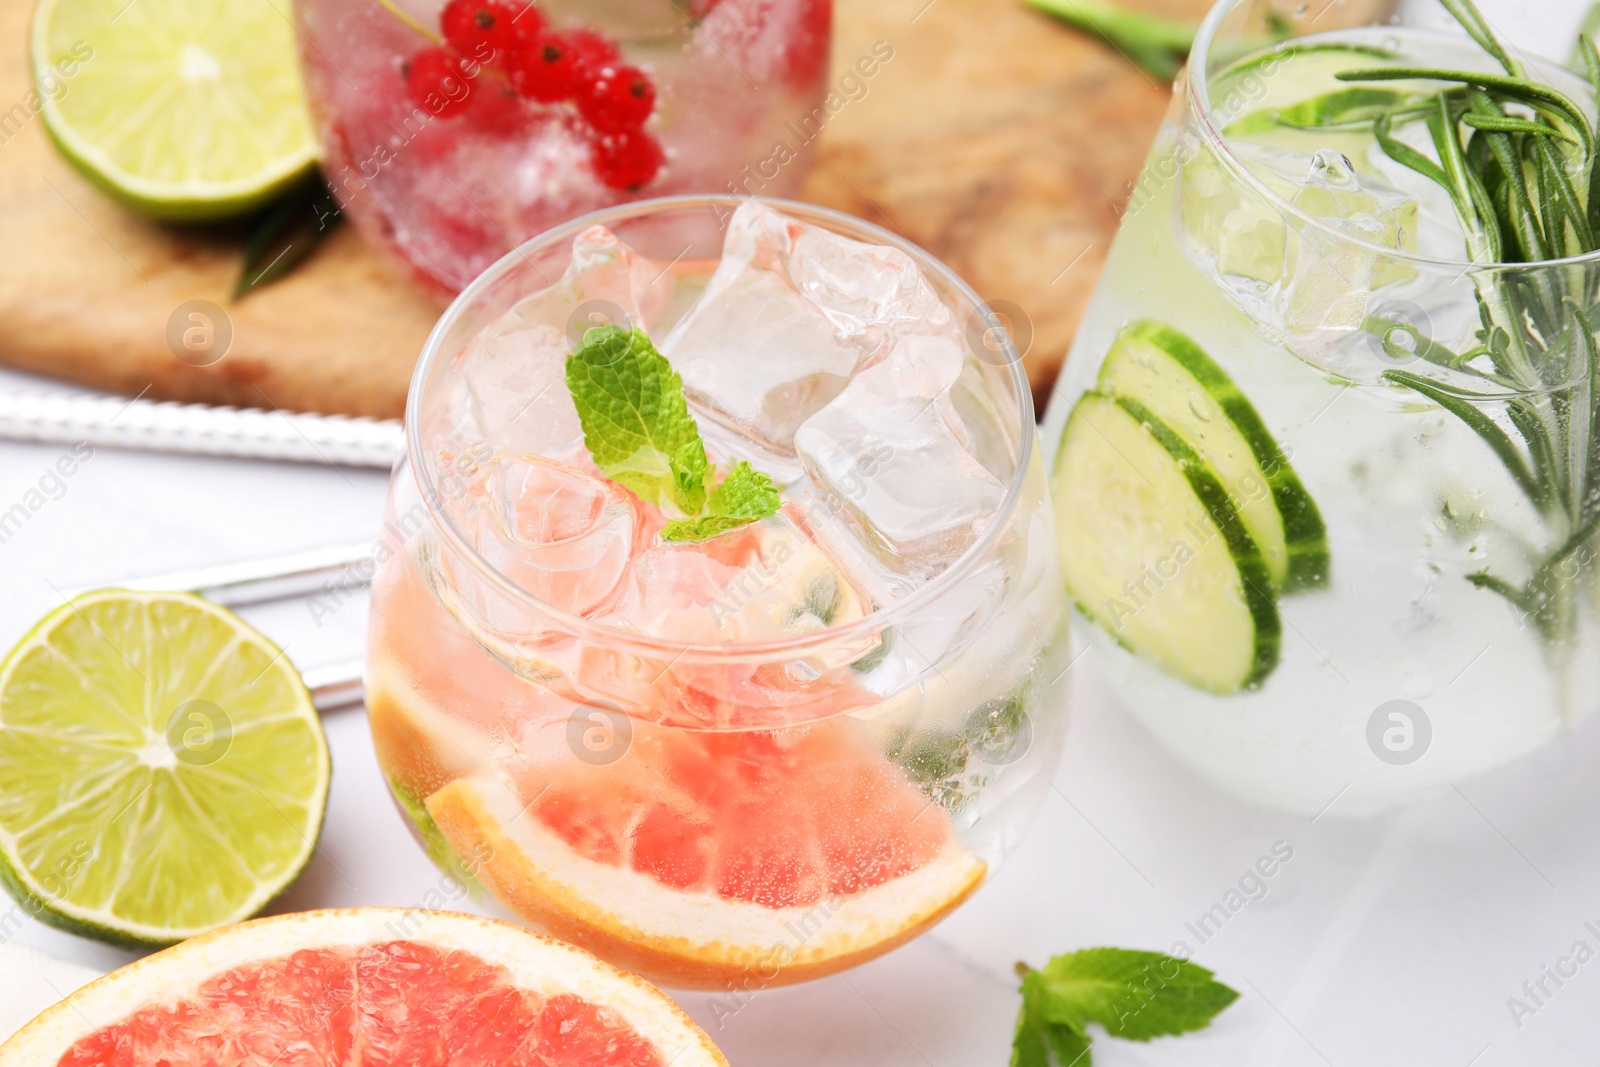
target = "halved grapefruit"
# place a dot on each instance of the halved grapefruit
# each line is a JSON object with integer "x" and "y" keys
{"x": 368, "y": 986}
{"x": 702, "y": 859}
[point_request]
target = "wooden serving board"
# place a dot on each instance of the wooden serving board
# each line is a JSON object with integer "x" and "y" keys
{"x": 995, "y": 137}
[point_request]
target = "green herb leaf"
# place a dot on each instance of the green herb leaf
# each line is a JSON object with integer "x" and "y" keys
{"x": 1134, "y": 995}
{"x": 1158, "y": 45}
{"x": 745, "y": 493}
{"x": 1478, "y": 29}
{"x": 636, "y": 423}
{"x": 1527, "y": 190}
{"x": 1542, "y": 98}
{"x": 637, "y": 427}
{"x": 744, "y": 496}
{"x": 1508, "y": 124}
{"x": 285, "y": 235}
{"x": 1481, "y": 424}
{"x": 1029, "y": 1046}
{"x": 1586, "y": 32}
{"x": 1037, "y": 1037}
{"x": 1356, "y": 106}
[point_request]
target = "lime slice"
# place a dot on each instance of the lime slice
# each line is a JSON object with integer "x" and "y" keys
{"x": 180, "y": 111}
{"x": 165, "y": 772}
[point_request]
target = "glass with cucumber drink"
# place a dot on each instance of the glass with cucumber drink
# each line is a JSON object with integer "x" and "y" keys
{"x": 1325, "y": 456}
{"x": 716, "y": 626}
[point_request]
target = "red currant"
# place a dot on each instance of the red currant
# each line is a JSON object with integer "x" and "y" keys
{"x": 616, "y": 97}
{"x": 487, "y": 30}
{"x": 591, "y": 49}
{"x": 437, "y": 81}
{"x": 496, "y": 108}
{"x": 807, "y": 47}
{"x": 543, "y": 69}
{"x": 626, "y": 160}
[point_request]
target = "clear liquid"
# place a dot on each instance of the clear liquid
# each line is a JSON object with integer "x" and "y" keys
{"x": 1414, "y": 501}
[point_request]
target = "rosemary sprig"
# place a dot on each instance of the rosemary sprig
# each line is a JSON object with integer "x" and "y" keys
{"x": 1156, "y": 44}
{"x": 1519, "y": 161}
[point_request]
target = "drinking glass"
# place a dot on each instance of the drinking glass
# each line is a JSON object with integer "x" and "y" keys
{"x": 1332, "y": 548}
{"x": 447, "y": 182}
{"x": 701, "y": 807}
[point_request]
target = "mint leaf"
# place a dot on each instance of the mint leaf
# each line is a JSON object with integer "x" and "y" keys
{"x": 1030, "y": 1047}
{"x": 637, "y": 427}
{"x": 744, "y": 496}
{"x": 1071, "y": 1047}
{"x": 1037, "y": 1037}
{"x": 744, "y": 493}
{"x": 636, "y": 423}
{"x": 1134, "y": 995}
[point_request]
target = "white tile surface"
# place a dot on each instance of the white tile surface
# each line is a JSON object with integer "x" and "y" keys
{"x": 1393, "y": 941}
{"x": 1396, "y": 941}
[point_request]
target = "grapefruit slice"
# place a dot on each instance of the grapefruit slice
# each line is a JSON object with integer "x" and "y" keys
{"x": 368, "y": 986}
{"x": 704, "y": 858}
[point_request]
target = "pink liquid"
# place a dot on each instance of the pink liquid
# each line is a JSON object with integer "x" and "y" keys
{"x": 738, "y": 109}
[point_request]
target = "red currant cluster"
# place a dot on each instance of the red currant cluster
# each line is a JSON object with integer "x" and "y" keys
{"x": 500, "y": 51}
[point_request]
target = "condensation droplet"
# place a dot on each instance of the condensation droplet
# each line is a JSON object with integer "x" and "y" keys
{"x": 1331, "y": 168}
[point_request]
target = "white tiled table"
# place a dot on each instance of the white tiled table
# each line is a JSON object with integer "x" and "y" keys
{"x": 1396, "y": 941}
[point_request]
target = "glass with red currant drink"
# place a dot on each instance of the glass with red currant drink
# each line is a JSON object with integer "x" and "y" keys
{"x": 724, "y": 639}
{"x": 454, "y": 131}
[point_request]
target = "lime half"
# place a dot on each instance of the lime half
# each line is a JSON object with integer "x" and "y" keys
{"x": 164, "y": 770}
{"x": 180, "y": 110}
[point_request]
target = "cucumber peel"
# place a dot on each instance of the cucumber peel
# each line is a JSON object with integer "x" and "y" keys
{"x": 1154, "y": 551}
{"x": 1163, "y": 370}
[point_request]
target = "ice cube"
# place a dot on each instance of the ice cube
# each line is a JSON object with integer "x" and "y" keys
{"x": 556, "y": 531}
{"x": 763, "y": 582}
{"x": 1330, "y": 276}
{"x": 607, "y": 283}
{"x": 1240, "y": 231}
{"x": 768, "y": 581}
{"x": 1277, "y": 264}
{"x": 516, "y": 378}
{"x": 789, "y": 315}
{"x": 515, "y": 372}
{"x": 892, "y": 454}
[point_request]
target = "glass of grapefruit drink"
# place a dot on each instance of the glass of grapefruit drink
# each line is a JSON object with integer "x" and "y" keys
{"x": 455, "y": 130}
{"x": 716, "y": 626}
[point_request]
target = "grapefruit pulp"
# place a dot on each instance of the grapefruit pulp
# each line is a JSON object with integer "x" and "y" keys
{"x": 703, "y": 858}
{"x": 696, "y": 857}
{"x": 367, "y": 986}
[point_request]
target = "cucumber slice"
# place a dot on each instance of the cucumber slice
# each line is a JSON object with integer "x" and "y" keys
{"x": 1163, "y": 370}
{"x": 1225, "y": 82}
{"x": 1154, "y": 552}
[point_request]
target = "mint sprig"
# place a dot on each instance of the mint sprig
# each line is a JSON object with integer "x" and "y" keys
{"x": 637, "y": 427}
{"x": 744, "y": 496}
{"x": 1134, "y": 995}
